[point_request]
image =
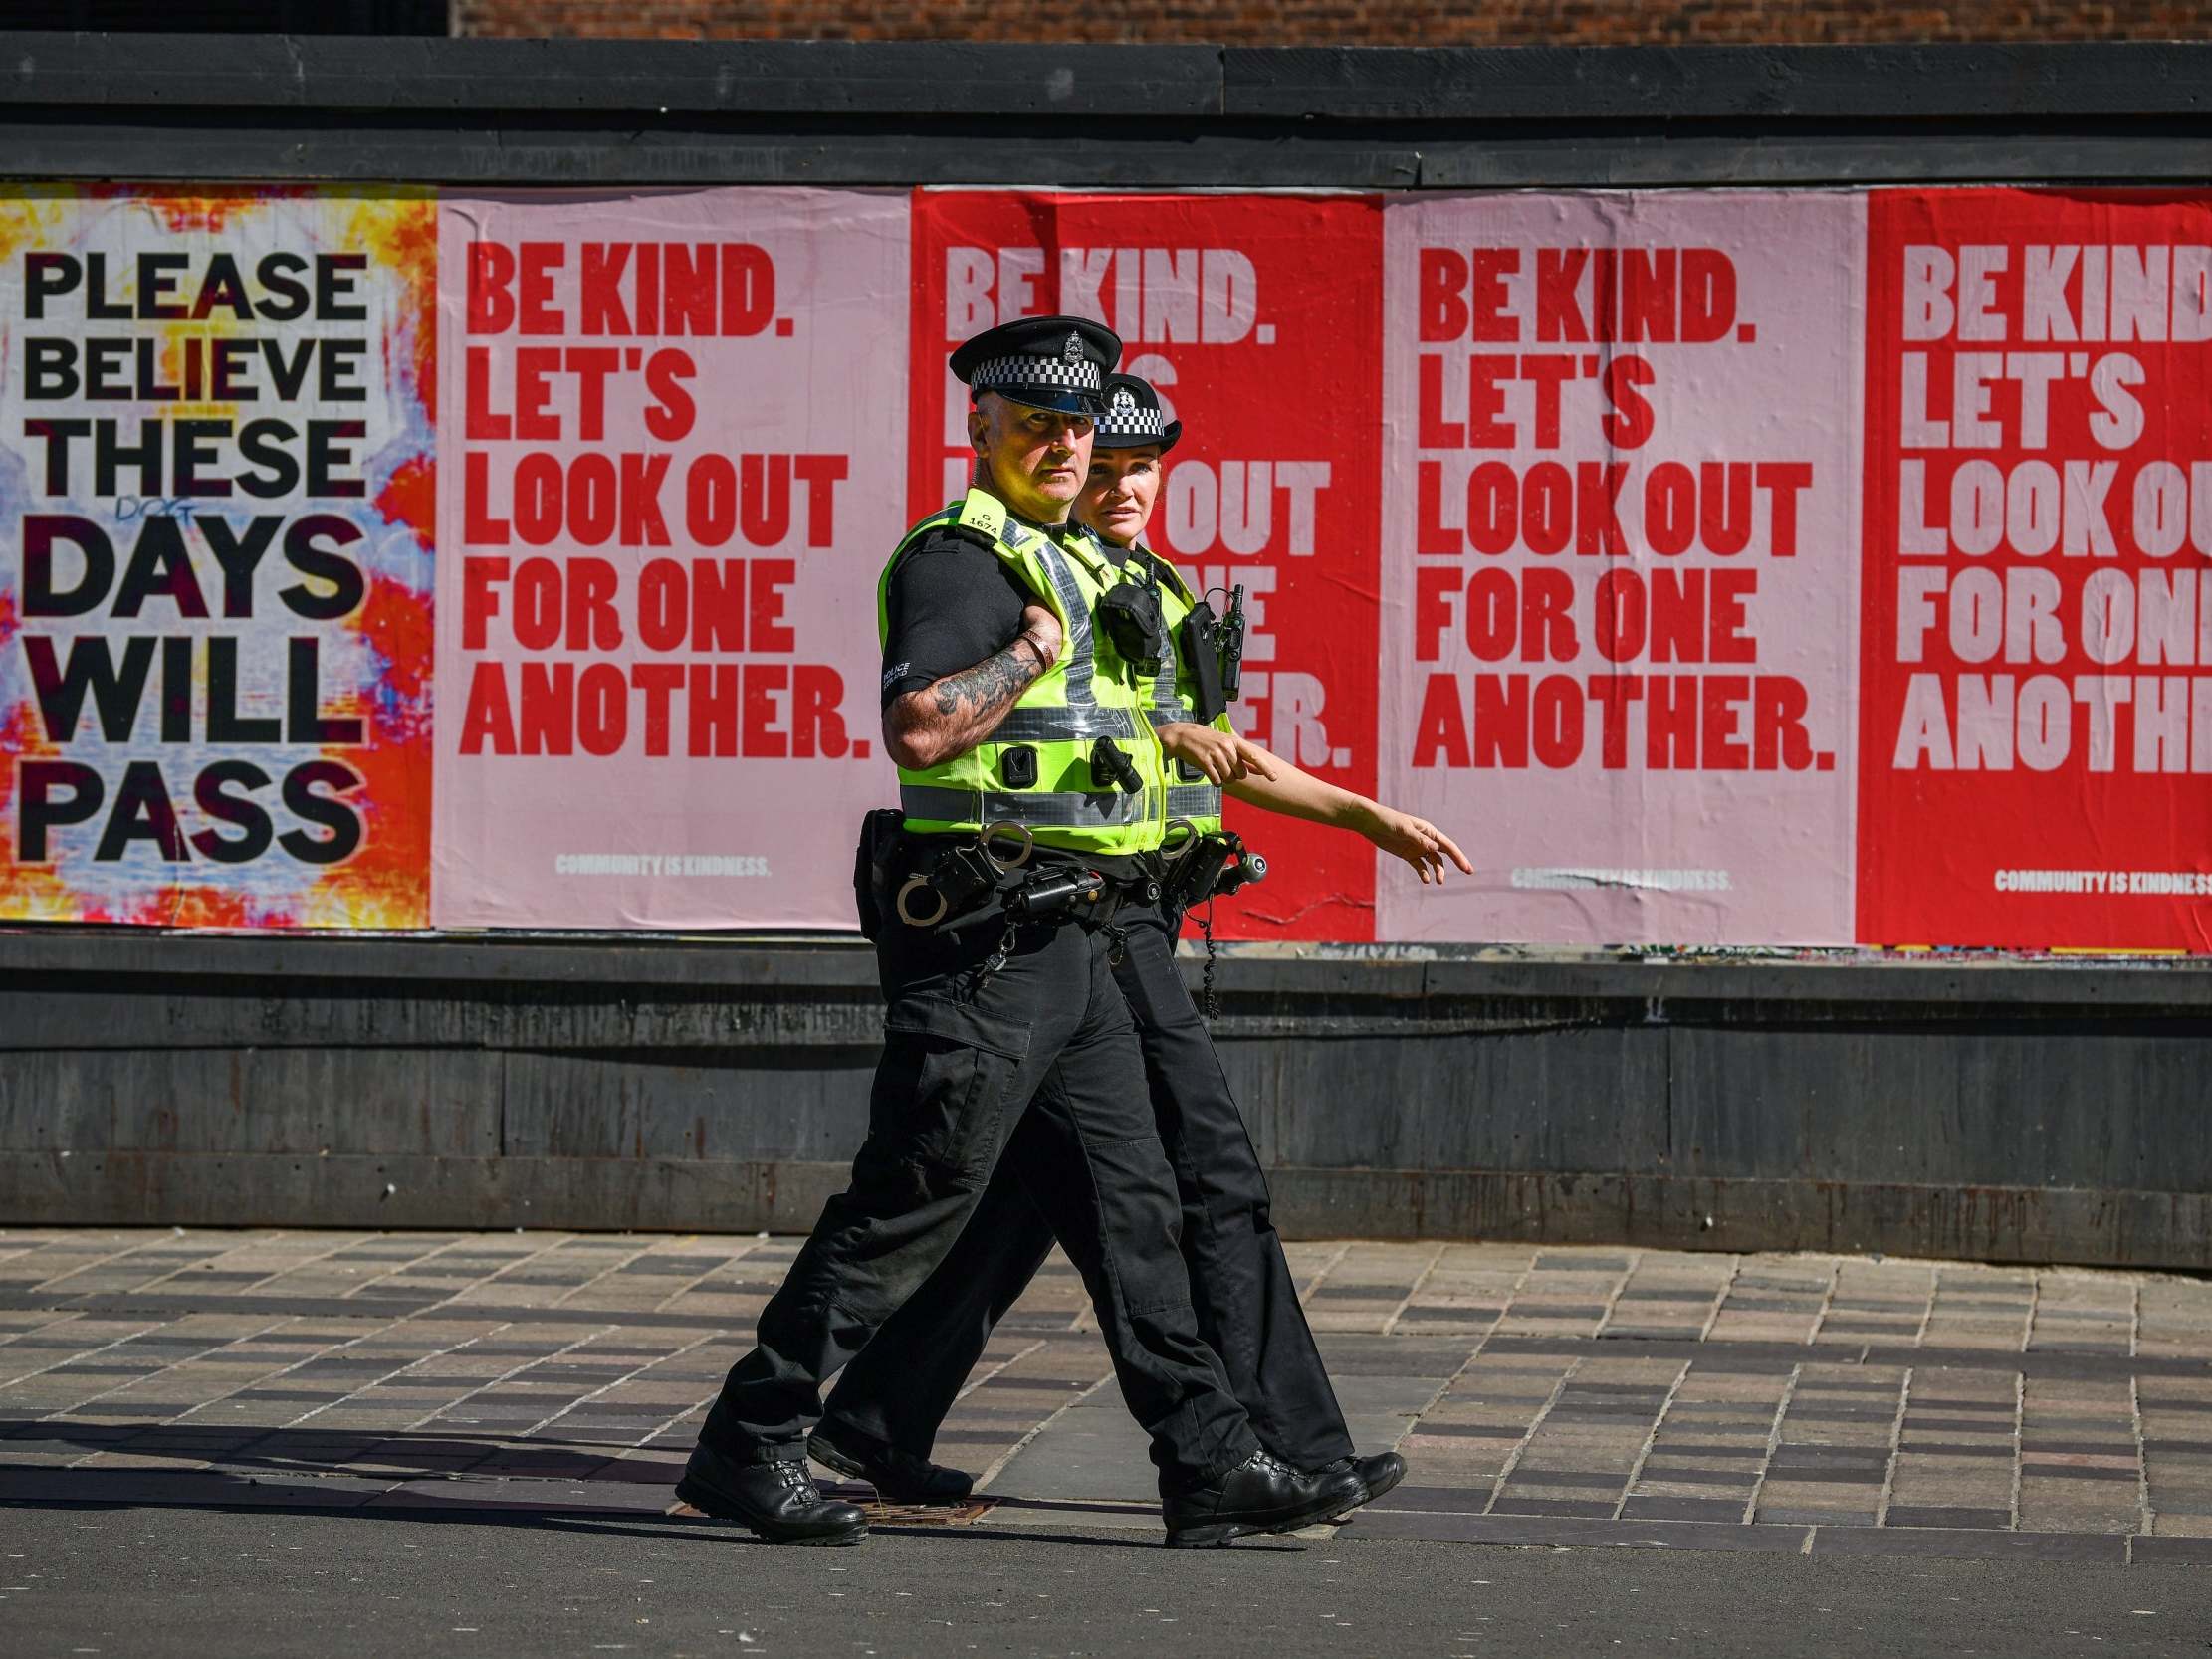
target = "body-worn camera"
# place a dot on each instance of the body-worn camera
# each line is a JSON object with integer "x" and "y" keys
{"x": 1129, "y": 613}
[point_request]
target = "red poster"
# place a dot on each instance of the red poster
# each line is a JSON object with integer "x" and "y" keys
{"x": 1260, "y": 318}
{"x": 2036, "y": 713}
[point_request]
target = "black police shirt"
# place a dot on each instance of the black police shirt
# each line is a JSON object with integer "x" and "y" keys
{"x": 951, "y": 604}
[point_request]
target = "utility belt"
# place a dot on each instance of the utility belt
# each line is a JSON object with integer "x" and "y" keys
{"x": 944, "y": 883}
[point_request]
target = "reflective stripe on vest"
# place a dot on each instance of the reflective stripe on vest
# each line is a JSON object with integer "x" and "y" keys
{"x": 1077, "y": 650}
{"x": 1197, "y": 803}
{"x": 1077, "y": 724}
{"x": 1036, "y": 809}
{"x": 1193, "y": 801}
{"x": 1170, "y": 710}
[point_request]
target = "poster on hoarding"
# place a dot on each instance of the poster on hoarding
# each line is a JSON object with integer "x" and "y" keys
{"x": 675, "y": 446}
{"x": 1258, "y": 318}
{"x": 2036, "y": 686}
{"x": 1621, "y": 563}
{"x": 1730, "y": 568}
{"x": 217, "y": 469}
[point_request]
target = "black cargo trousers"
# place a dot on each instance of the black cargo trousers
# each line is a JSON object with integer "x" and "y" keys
{"x": 902, "y": 1384}
{"x": 1035, "y": 1064}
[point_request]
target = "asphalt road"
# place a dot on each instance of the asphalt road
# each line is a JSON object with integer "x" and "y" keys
{"x": 167, "y": 1582}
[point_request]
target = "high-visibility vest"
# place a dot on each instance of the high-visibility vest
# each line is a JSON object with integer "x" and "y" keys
{"x": 1087, "y": 693}
{"x": 1171, "y": 697}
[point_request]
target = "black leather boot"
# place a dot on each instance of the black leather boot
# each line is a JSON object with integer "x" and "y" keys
{"x": 778, "y": 1500}
{"x": 1379, "y": 1472}
{"x": 899, "y": 1477}
{"x": 1261, "y": 1495}
{"x": 1375, "y": 1473}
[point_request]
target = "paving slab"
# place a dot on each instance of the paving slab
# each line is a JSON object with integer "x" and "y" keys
{"x": 1817, "y": 1403}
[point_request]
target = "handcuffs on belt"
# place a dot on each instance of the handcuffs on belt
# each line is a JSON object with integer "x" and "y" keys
{"x": 972, "y": 881}
{"x": 963, "y": 876}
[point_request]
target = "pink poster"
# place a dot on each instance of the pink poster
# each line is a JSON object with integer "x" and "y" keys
{"x": 1619, "y": 563}
{"x": 674, "y": 459}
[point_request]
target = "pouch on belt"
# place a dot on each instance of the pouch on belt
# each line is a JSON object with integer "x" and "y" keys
{"x": 871, "y": 867}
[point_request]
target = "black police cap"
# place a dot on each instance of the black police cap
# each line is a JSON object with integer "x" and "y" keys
{"x": 1047, "y": 362}
{"x": 1132, "y": 417}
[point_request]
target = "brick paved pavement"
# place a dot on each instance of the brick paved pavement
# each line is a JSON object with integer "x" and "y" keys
{"x": 1541, "y": 1395}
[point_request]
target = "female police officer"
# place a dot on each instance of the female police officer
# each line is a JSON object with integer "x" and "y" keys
{"x": 884, "y": 1413}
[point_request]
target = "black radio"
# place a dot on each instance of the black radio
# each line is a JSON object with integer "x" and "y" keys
{"x": 1214, "y": 651}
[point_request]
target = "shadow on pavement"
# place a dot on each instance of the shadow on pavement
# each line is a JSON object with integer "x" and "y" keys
{"x": 569, "y": 1485}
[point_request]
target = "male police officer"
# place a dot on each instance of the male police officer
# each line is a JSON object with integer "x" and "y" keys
{"x": 1028, "y": 777}
{"x": 887, "y": 1406}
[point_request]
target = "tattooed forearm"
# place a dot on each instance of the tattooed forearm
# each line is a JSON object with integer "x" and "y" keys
{"x": 955, "y": 714}
{"x": 991, "y": 685}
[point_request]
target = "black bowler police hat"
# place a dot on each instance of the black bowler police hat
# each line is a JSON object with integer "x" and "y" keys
{"x": 1132, "y": 417}
{"x": 1047, "y": 362}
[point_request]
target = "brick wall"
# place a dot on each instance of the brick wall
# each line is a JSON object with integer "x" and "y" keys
{"x": 1352, "y": 23}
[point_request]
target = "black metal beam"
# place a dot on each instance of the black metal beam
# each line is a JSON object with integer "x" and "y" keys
{"x": 656, "y": 113}
{"x": 1769, "y": 84}
{"x": 84, "y": 960}
{"x": 1478, "y": 85}
{"x": 487, "y": 78}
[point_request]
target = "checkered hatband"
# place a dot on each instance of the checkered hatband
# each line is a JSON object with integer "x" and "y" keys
{"x": 1081, "y": 375}
{"x": 1125, "y": 417}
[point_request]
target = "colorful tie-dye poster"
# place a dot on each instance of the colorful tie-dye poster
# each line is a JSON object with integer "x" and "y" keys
{"x": 217, "y": 478}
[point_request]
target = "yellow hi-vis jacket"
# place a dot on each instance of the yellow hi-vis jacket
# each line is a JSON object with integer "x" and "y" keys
{"x": 1087, "y": 693}
{"x": 1171, "y": 697}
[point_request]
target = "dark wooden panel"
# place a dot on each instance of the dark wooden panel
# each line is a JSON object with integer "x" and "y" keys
{"x": 2060, "y": 1104}
{"x": 304, "y": 1101}
{"x": 759, "y": 1104}
{"x": 102, "y": 1188}
{"x": 95, "y": 143}
{"x": 205, "y": 1014}
{"x": 1589, "y": 1099}
{"x": 1423, "y": 981}
{"x": 533, "y": 964}
{"x": 2154, "y": 1229}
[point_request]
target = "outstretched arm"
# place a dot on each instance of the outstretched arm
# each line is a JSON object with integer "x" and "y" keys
{"x": 950, "y": 717}
{"x": 1258, "y": 778}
